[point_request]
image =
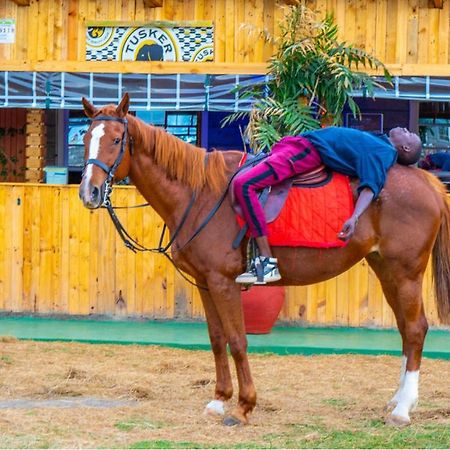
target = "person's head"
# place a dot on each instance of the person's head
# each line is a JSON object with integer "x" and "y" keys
{"x": 407, "y": 144}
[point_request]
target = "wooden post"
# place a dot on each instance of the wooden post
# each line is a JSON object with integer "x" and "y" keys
{"x": 35, "y": 146}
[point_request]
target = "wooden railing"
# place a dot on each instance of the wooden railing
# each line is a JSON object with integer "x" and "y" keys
{"x": 56, "y": 257}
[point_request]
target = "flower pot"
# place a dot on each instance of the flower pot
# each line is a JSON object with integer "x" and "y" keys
{"x": 261, "y": 305}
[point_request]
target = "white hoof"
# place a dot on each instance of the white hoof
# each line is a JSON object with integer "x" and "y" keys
{"x": 398, "y": 421}
{"x": 391, "y": 404}
{"x": 215, "y": 408}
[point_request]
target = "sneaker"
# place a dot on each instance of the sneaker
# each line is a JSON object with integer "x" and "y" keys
{"x": 266, "y": 270}
{"x": 248, "y": 277}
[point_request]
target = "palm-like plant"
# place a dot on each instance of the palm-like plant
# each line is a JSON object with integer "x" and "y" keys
{"x": 311, "y": 78}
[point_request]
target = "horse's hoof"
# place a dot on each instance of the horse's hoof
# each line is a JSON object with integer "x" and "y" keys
{"x": 390, "y": 405}
{"x": 231, "y": 421}
{"x": 214, "y": 408}
{"x": 398, "y": 421}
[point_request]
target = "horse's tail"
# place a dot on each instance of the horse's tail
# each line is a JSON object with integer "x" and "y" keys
{"x": 441, "y": 263}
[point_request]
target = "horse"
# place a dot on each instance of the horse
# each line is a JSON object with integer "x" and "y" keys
{"x": 187, "y": 187}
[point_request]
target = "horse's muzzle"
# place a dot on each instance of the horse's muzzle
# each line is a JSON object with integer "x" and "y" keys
{"x": 91, "y": 195}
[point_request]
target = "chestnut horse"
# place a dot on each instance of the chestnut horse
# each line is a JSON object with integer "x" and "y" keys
{"x": 397, "y": 234}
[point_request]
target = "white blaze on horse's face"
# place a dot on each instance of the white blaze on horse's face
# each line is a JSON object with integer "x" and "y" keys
{"x": 89, "y": 194}
{"x": 94, "y": 148}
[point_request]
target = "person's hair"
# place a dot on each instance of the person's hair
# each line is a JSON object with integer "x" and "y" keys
{"x": 406, "y": 158}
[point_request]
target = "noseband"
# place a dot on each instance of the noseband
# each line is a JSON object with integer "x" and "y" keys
{"x": 110, "y": 171}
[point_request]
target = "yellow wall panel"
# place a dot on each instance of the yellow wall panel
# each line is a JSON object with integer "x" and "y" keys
{"x": 58, "y": 257}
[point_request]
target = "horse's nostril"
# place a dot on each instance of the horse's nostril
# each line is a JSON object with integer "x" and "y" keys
{"x": 95, "y": 193}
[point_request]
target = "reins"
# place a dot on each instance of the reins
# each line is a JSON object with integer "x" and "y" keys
{"x": 128, "y": 240}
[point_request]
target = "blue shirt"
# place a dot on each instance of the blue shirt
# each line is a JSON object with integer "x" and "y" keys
{"x": 355, "y": 153}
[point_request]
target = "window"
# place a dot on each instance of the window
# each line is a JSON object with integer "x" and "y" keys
{"x": 77, "y": 128}
{"x": 182, "y": 125}
{"x": 435, "y": 134}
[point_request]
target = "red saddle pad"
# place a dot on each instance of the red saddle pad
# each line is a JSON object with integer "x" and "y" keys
{"x": 312, "y": 217}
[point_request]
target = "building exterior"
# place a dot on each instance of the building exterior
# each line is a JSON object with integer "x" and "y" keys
{"x": 179, "y": 60}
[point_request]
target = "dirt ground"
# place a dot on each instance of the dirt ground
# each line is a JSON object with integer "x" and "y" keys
{"x": 162, "y": 393}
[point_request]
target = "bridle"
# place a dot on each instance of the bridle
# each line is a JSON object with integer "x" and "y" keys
{"x": 110, "y": 171}
{"x": 129, "y": 241}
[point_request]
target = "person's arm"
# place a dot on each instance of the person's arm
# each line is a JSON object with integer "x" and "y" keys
{"x": 364, "y": 200}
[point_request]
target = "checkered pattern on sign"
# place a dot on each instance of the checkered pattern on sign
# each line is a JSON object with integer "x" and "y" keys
{"x": 189, "y": 40}
{"x": 110, "y": 52}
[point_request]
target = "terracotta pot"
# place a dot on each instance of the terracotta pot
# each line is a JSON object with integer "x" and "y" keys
{"x": 261, "y": 305}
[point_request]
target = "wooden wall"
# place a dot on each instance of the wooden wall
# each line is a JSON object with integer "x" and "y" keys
{"x": 411, "y": 36}
{"x": 58, "y": 257}
{"x": 12, "y": 144}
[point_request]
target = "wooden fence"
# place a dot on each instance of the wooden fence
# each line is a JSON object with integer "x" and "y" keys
{"x": 56, "y": 257}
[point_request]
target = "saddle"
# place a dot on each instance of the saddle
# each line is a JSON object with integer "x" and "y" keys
{"x": 273, "y": 198}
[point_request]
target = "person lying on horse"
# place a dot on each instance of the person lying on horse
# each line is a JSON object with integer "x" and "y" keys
{"x": 355, "y": 153}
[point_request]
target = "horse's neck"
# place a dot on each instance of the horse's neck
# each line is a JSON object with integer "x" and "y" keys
{"x": 166, "y": 196}
{"x": 169, "y": 197}
{"x": 162, "y": 194}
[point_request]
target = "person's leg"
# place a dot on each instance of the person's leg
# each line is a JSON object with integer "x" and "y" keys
{"x": 291, "y": 156}
{"x": 246, "y": 187}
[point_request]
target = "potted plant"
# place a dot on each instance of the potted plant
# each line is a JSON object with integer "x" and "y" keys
{"x": 310, "y": 79}
{"x": 261, "y": 306}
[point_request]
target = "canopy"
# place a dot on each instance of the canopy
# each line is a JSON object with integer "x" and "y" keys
{"x": 197, "y": 92}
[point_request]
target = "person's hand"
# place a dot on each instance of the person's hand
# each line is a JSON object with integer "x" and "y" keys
{"x": 348, "y": 229}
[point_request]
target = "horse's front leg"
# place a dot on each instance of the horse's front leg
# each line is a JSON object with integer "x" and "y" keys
{"x": 224, "y": 386}
{"x": 226, "y": 295}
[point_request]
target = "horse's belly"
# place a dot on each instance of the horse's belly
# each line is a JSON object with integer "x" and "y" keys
{"x": 302, "y": 266}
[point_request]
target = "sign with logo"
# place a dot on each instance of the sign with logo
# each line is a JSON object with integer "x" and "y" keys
{"x": 7, "y": 31}
{"x": 150, "y": 43}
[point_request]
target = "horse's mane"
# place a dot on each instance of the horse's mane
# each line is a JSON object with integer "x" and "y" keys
{"x": 181, "y": 161}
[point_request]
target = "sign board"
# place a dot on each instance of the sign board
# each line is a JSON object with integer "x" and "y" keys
{"x": 150, "y": 42}
{"x": 7, "y": 31}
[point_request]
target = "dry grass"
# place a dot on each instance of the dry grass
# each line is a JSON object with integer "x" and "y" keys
{"x": 168, "y": 389}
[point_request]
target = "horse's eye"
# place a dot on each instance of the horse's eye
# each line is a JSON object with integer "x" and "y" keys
{"x": 117, "y": 141}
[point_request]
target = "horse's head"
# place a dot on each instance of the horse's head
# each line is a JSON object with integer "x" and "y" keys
{"x": 107, "y": 150}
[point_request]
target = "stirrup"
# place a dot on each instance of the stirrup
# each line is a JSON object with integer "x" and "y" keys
{"x": 249, "y": 276}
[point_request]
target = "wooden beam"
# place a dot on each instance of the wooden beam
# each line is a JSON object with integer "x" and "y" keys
{"x": 153, "y": 3}
{"x": 168, "y": 67}
{"x": 436, "y": 3}
{"x": 22, "y": 2}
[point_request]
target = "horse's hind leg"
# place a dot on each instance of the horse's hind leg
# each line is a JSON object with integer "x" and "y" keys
{"x": 402, "y": 286}
{"x": 224, "y": 386}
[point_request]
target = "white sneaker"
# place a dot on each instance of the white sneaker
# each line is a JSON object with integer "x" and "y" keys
{"x": 268, "y": 267}
{"x": 270, "y": 270}
{"x": 246, "y": 278}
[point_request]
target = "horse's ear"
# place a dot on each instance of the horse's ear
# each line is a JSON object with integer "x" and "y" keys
{"x": 124, "y": 104}
{"x": 89, "y": 109}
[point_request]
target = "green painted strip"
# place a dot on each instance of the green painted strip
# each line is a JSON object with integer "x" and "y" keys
{"x": 194, "y": 336}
